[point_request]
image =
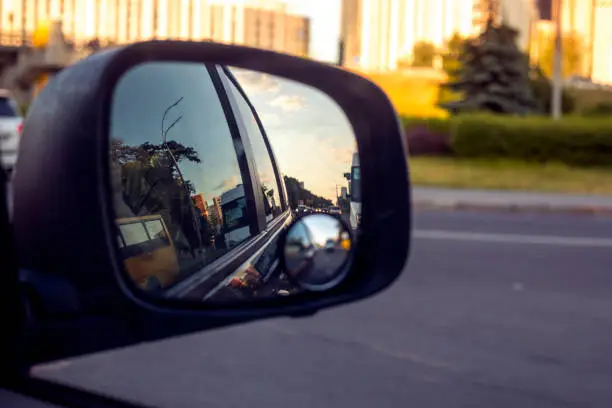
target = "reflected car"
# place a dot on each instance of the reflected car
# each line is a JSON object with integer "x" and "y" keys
{"x": 335, "y": 210}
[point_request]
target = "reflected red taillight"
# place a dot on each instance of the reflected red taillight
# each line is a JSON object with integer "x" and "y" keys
{"x": 20, "y": 128}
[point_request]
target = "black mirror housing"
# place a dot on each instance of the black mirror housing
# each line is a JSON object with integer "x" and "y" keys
{"x": 64, "y": 222}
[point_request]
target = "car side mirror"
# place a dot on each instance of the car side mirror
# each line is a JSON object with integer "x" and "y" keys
{"x": 155, "y": 184}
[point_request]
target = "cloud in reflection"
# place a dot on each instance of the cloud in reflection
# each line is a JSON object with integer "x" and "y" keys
{"x": 227, "y": 184}
{"x": 270, "y": 119}
{"x": 254, "y": 82}
{"x": 310, "y": 135}
{"x": 288, "y": 103}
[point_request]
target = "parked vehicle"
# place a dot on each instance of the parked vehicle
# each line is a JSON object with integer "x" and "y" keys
{"x": 11, "y": 123}
{"x": 147, "y": 251}
{"x": 235, "y": 220}
{"x": 355, "y": 193}
{"x": 335, "y": 211}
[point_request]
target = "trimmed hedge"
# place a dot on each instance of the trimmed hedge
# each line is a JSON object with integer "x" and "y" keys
{"x": 427, "y": 136}
{"x": 572, "y": 140}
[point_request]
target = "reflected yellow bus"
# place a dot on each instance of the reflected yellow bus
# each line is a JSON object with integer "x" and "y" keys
{"x": 147, "y": 251}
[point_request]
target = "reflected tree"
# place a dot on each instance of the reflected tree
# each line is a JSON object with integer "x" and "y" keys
{"x": 151, "y": 184}
{"x": 300, "y": 195}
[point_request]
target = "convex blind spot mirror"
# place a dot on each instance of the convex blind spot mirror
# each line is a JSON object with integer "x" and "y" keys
{"x": 216, "y": 170}
{"x": 316, "y": 251}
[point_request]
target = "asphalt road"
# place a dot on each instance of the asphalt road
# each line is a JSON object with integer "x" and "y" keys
{"x": 324, "y": 265}
{"x": 493, "y": 310}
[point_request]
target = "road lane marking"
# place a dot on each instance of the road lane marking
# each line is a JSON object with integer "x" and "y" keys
{"x": 552, "y": 240}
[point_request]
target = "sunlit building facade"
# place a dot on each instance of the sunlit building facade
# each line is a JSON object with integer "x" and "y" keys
{"x": 602, "y": 42}
{"x": 389, "y": 29}
{"x": 578, "y": 17}
{"x": 522, "y": 15}
{"x": 262, "y": 23}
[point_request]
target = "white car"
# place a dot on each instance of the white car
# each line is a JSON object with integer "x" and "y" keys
{"x": 10, "y": 130}
{"x": 335, "y": 211}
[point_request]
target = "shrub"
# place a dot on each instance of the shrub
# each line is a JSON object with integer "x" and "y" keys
{"x": 571, "y": 140}
{"x": 427, "y": 136}
{"x": 603, "y": 108}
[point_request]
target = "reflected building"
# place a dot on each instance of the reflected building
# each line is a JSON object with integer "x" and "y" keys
{"x": 200, "y": 203}
{"x": 215, "y": 215}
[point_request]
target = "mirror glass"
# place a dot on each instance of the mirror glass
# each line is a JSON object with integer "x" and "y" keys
{"x": 316, "y": 250}
{"x": 213, "y": 166}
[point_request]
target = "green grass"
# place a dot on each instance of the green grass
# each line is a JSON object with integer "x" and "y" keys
{"x": 509, "y": 175}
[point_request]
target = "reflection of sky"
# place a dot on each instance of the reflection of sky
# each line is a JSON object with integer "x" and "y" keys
{"x": 311, "y": 137}
{"x": 322, "y": 228}
{"x": 142, "y": 96}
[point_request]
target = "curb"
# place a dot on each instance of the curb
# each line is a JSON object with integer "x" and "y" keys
{"x": 511, "y": 208}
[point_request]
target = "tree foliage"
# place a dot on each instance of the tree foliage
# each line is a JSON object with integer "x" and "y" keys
{"x": 451, "y": 65}
{"x": 299, "y": 194}
{"x": 423, "y": 54}
{"x": 572, "y": 56}
{"x": 151, "y": 184}
{"x": 493, "y": 74}
{"x": 542, "y": 92}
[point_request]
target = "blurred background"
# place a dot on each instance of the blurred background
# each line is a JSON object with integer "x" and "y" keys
{"x": 430, "y": 56}
{"x": 506, "y": 106}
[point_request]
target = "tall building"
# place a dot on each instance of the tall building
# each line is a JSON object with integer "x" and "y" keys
{"x": 591, "y": 22}
{"x": 378, "y": 33}
{"x": 519, "y": 14}
{"x": 389, "y": 29}
{"x": 350, "y": 32}
{"x": 215, "y": 214}
{"x": 260, "y": 23}
{"x": 578, "y": 18}
{"x": 200, "y": 203}
{"x": 602, "y": 42}
{"x": 543, "y": 35}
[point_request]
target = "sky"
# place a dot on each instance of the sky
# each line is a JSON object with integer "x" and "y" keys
{"x": 310, "y": 135}
{"x": 324, "y": 26}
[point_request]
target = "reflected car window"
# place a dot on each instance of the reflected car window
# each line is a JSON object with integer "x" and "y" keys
{"x": 299, "y": 236}
{"x": 263, "y": 162}
{"x": 234, "y": 214}
{"x": 155, "y": 229}
{"x": 134, "y": 233}
{"x": 177, "y": 159}
{"x": 7, "y": 108}
{"x": 355, "y": 184}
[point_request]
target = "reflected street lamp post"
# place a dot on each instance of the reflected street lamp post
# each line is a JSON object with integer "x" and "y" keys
{"x": 164, "y": 133}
